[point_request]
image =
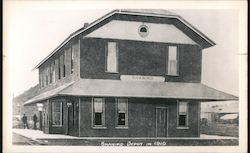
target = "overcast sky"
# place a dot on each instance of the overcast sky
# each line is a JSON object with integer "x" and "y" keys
{"x": 33, "y": 31}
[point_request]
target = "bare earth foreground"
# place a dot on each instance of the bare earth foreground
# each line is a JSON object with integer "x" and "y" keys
{"x": 221, "y": 129}
{"x": 36, "y": 137}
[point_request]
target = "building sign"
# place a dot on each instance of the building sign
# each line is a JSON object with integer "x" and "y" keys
{"x": 142, "y": 78}
{"x": 39, "y": 106}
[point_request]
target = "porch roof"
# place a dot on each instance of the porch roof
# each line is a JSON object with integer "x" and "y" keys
{"x": 47, "y": 94}
{"x": 137, "y": 89}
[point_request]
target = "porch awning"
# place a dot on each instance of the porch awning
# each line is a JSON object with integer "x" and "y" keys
{"x": 48, "y": 94}
{"x": 138, "y": 89}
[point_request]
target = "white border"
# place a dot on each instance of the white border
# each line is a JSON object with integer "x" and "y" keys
{"x": 238, "y": 5}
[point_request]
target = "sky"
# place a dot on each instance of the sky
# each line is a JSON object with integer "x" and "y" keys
{"x": 33, "y": 30}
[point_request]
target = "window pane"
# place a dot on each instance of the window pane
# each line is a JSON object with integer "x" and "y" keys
{"x": 50, "y": 74}
{"x": 172, "y": 60}
{"x": 64, "y": 61}
{"x": 172, "y": 67}
{"x": 172, "y": 53}
{"x": 57, "y": 113}
{"x": 64, "y": 71}
{"x": 47, "y": 76}
{"x": 122, "y": 105}
{"x": 183, "y": 108}
{"x": 64, "y": 56}
{"x": 56, "y": 118}
{"x": 182, "y": 120}
{"x": 121, "y": 119}
{"x": 98, "y": 118}
{"x": 72, "y": 60}
{"x": 98, "y": 105}
{"x": 112, "y": 57}
{"x": 53, "y": 72}
{"x": 59, "y": 68}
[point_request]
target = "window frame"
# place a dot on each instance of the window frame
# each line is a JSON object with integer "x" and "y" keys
{"x": 168, "y": 61}
{"x": 59, "y": 67}
{"x": 44, "y": 78}
{"x": 117, "y": 114}
{"x": 187, "y": 115}
{"x": 54, "y": 71}
{"x": 41, "y": 80}
{"x": 106, "y": 57}
{"x": 103, "y": 126}
{"x": 61, "y": 114}
{"x": 47, "y": 76}
{"x": 64, "y": 63}
{"x": 71, "y": 60}
{"x": 51, "y": 73}
{"x": 143, "y": 34}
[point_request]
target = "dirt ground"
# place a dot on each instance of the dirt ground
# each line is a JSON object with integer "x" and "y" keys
{"x": 220, "y": 129}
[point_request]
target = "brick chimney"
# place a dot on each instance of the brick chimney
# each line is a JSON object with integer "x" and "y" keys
{"x": 85, "y": 25}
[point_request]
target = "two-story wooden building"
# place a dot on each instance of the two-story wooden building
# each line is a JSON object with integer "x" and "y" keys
{"x": 131, "y": 73}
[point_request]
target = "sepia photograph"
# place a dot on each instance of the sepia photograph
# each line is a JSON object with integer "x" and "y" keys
{"x": 123, "y": 77}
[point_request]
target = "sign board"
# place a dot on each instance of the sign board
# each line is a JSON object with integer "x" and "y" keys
{"x": 142, "y": 78}
{"x": 69, "y": 104}
{"x": 39, "y": 106}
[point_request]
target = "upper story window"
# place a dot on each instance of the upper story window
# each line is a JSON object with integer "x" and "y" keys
{"x": 59, "y": 67}
{"x": 44, "y": 80}
{"x": 112, "y": 57}
{"x": 47, "y": 76}
{"x": 57, "y": 115}
{"x": 41, "y": 80}
{"x": 122, "y": 112}
{"x": 143, "y": 31}
{"x": 64, "y": 63}
{"x": 98, "y": 112}
{"x": 182, "y": 114}
{"x": 72, "y": 59}
{"x": 52, "y": 72}
{"x": 172, "y": 61}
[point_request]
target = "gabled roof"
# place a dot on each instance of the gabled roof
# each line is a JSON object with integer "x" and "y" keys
{"x": 136, "y": 89}
{"x": 149, "y": 11}
{"x": 138, "y": 12}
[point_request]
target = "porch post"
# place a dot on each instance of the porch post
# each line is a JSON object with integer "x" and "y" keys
{"x": 40, "y": 109}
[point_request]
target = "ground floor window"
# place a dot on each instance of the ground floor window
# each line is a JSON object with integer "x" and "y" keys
{"x": 57, "y": 109}
{"x": 122, "y": 112}
{"x": 182, "y": 114}
{"x": 98, "y": 112}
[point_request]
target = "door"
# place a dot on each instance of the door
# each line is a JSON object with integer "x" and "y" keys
{"x": 41, "y": 120}
{"x": 70, "y": 127}
{"x": 161, "y": 122}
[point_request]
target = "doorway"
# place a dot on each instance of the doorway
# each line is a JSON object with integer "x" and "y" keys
{"x": 161, "y": 121}
{"x": 70, "y": 110}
